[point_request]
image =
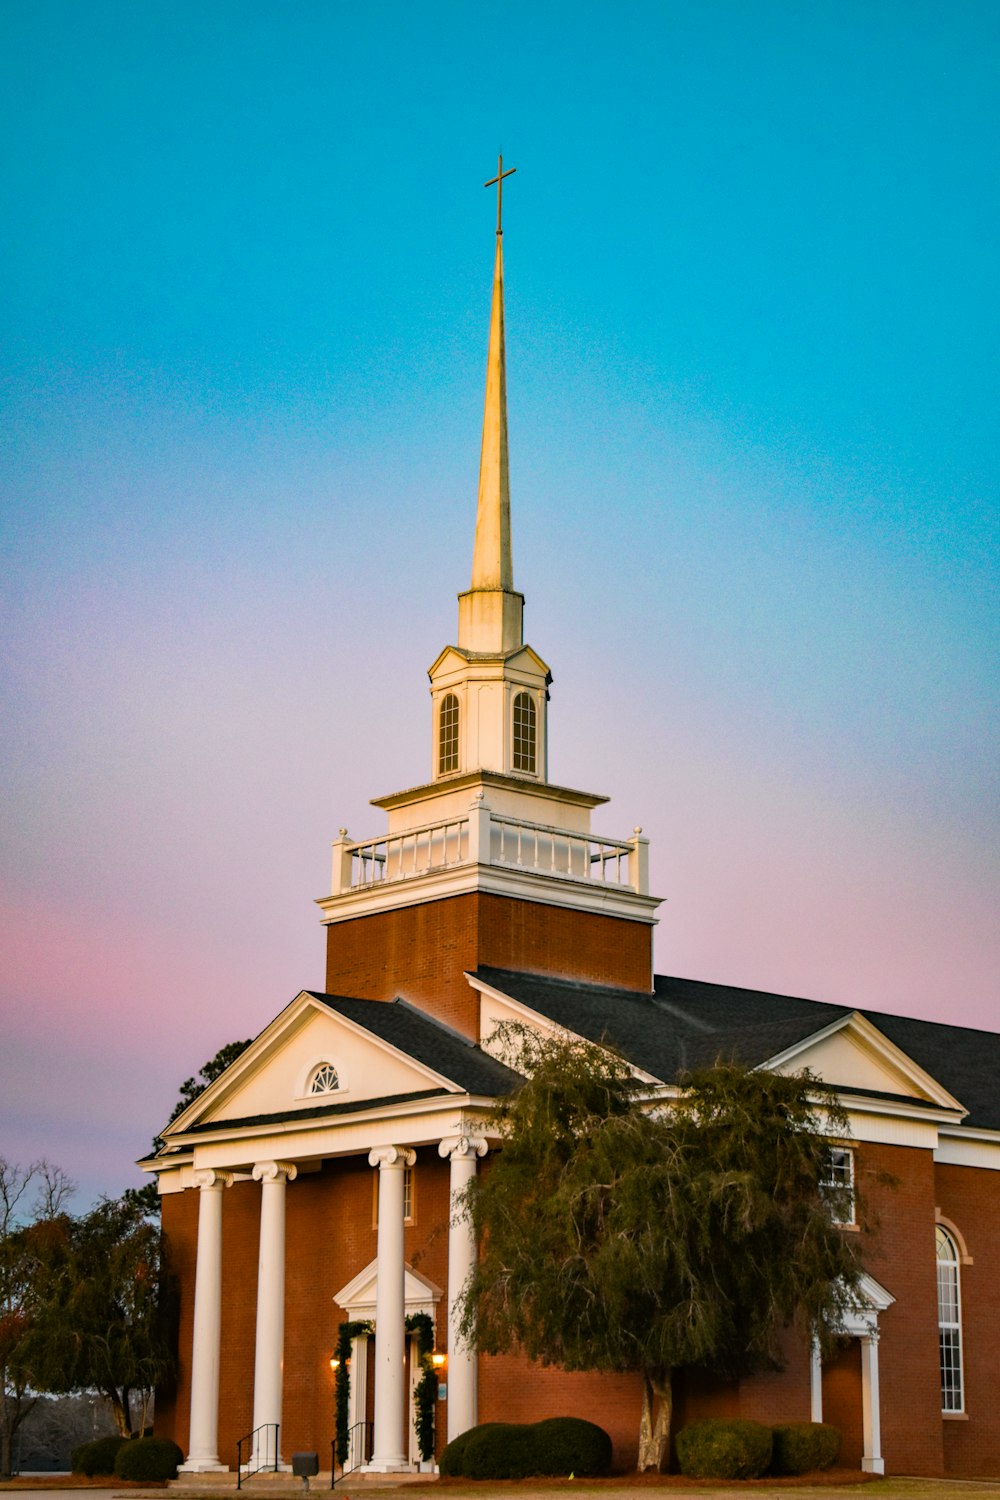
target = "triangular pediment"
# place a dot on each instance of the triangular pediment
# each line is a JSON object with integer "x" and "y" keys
{"x": 275, "y": 1073}
{"x": 357, "y": 1298}
{"x": 454, "y": 659}
{"x": 852, "y": 1053}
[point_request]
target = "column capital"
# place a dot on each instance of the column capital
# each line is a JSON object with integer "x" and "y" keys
{"x": 211, "y": 1178}
{"x": 456, "y": 1146}
{"x": 391, "y": 1156}
{"x": 270, "y": 1171}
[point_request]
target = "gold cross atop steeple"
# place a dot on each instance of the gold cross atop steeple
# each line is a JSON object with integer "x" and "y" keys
{"x": 498, "y": 179}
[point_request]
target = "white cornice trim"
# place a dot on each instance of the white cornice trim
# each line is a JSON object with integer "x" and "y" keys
{"x": 497, "y": 880}
{"x": 485, "y": 778}
{"x": 391, "y": 1109}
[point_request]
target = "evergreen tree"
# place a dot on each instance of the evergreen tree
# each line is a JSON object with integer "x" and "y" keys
{"x": 621, "y": 1232}
{"x": 192, "y": 1087}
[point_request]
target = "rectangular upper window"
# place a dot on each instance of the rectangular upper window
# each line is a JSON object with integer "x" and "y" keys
{"x": 837, "y": 1184}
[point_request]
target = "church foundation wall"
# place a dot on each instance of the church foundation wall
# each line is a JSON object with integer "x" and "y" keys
{"x": 434, "y": 943}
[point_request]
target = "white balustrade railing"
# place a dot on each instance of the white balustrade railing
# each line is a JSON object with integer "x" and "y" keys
{"x": 485, "y": 837}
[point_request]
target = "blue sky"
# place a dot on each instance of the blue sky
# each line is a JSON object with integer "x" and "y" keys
{"x": 752, "y": 342}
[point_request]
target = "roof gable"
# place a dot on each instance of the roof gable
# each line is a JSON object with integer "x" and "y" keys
{"x": 273, "y": 1075}
{"x": 378, "y": 1049}
{"x": 851, "y": 1052}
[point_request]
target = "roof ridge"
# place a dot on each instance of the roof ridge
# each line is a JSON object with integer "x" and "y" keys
{"x": 436, "y": 1021}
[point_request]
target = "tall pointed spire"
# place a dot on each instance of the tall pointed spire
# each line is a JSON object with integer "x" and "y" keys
{"x": 490, "y": 611}
{"x": 492, "y": 565}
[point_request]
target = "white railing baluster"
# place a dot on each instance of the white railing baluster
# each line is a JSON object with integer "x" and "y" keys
{"x": 549, "y": 851}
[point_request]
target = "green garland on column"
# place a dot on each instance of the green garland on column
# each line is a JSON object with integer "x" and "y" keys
{"x": 425, "y": 1394}
{"x": 346, "y": 1334}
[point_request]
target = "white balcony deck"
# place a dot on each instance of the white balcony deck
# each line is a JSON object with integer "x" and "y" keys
{"x": 483, "y": 837}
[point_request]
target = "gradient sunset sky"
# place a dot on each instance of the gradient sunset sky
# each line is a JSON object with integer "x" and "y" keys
{"x": 752, "y": 338}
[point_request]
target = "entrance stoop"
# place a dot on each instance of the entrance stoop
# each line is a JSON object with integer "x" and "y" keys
{"x": 289, "y": 1484}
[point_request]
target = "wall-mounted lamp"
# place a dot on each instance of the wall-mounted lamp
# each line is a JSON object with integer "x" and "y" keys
{"x": 334, "y": 1363}
{"x": 437, "y": 1360}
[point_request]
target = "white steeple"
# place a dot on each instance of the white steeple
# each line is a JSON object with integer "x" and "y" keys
{"x": 490, "y": 691}
{"x": 489, "y": 820}
{"x": 490, "y": 612}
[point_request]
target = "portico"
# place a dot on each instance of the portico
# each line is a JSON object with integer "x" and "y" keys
{"x": 384, "y": 1292}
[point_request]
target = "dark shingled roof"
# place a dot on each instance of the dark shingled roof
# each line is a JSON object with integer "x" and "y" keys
{"x": 427, "y": 1041}
{"x": 686, "y": 1023}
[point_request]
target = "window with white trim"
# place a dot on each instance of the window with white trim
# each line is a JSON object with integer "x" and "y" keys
{"x": 324, "y": 1079}
{"x": 949, "y": 1293}
{"x": 525, "y": 733}
{"x": 448, "y": 734}
{"x": 837, "y": 1184}
{"x": 409, "y": 1198}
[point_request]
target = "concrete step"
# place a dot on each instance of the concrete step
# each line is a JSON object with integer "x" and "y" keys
{"x": 289, "y": 1484}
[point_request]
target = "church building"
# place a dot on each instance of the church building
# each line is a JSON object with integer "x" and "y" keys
{"x": 312, "y": 1184}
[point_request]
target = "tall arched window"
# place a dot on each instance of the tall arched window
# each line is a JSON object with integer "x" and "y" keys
{"x": 525, "y": 733}
{"x": 448, "y": 734}
{"x": 949, "y": 1322}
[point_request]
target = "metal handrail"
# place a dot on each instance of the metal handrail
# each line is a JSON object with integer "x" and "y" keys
{"x": 254, "y": 1449}
{"x": 361, "y": 1449}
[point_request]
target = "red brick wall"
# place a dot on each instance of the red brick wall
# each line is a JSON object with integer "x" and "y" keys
{"x": 179, "y": 1218}
{"x": 970, "y": 1200}
{"x": 420, "y": 952}
{"x": 513, "y": 1389}
{"x": 901, "y": 1258}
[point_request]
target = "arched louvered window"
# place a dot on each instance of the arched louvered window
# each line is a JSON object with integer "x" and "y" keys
{"x": 525, "y": 733}
{"x": 448, "y": 734}
{"x": 324, "y": 1079}
{"x": 949, "y": 1322}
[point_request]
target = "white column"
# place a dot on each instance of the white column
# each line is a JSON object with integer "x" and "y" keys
{"x": 815, "y": 1382}
{"x": 390, "y": 1310}
{"x": 203, "y": 1440}
{"x": 872, "y": 1461}
{"x": 358, "y": 1399}
{"x": 461, "y": 1152}
{"x": 270, "y": 1350}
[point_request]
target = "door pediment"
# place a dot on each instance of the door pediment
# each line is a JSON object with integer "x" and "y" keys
{"x": 357, "y": 1298}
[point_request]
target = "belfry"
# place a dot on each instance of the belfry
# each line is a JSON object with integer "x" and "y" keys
{"x": 311, "y": 1195}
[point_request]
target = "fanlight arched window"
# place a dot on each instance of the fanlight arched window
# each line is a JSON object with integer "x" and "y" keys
{"x": 949, "y": 1321}
{"x": 448, "y": 734}
{"x": 324, "y": 1079}
{"x": 525, "y": 733}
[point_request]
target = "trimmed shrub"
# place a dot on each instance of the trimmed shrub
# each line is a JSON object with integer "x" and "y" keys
{"x": 504, "y": 1450}
{"x": 516, "y": 1450}
{"x": 724, "y": 1450}
{"x": 97, "y": 1457}
{"x": 148, "y": 1458}
{"x": 569, "y": 1445}
{"x": 453, "y": 1458}
{"x": 800, "y": 1447}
